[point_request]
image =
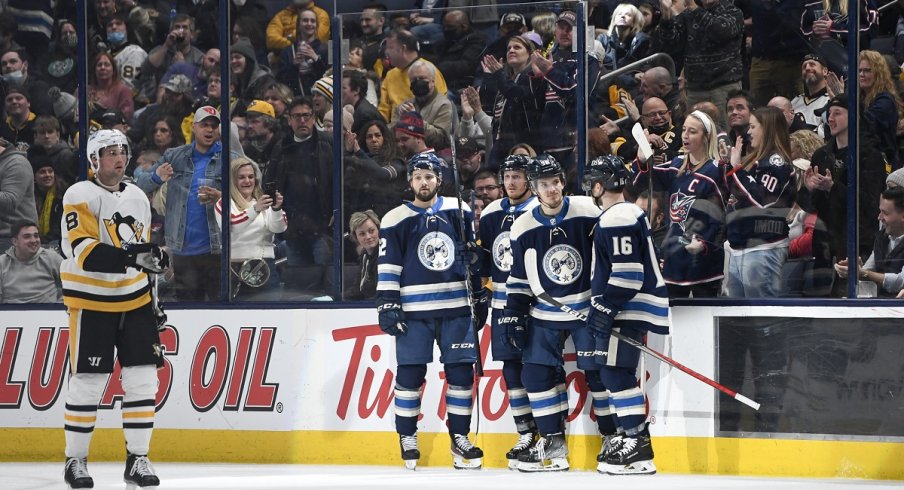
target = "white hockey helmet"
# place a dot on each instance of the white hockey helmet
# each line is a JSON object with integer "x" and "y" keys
{"x": 103, "y": 138}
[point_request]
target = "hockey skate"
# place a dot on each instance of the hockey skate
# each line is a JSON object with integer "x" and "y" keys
{"x": 525, "y": 442}
{"x": 633, "y": 457}
{"x": 76, "y": 473}
{"x": 410, "y": 452}
{"x": 550, "y": 453}
{"x": 139, "y": 473}
{"x": 611, "y": 443}
{"x": 465, "y": 456}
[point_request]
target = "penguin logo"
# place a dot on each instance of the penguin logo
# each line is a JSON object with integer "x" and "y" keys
{"x": 123, "y": 229}
{"x": 436, "y": 251}
{"x": 502, "y": 252}
{"x": 562, "y": 264}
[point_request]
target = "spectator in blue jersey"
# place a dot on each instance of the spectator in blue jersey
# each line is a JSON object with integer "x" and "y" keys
{"x": 192, "y": 173}
{"x": 424, "y": 269}
{"x": 762, "y": 192}
{"x": 692, "y": 251}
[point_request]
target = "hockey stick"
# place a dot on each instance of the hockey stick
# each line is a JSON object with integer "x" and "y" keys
{"x": 633, "y": 343}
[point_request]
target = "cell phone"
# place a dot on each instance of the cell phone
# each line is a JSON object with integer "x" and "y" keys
{"x": 270, "y": 189}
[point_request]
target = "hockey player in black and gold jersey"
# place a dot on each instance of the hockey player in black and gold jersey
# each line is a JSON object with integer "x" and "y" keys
{"x": 106, "y": 226}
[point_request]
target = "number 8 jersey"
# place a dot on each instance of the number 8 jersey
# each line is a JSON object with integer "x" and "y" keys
{"x": 96, "y": 224}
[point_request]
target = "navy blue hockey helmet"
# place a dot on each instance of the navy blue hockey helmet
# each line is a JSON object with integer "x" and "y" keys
{"x": 544, "y": 165}
{"x": 608, "y": 170}
{"x": 514, "y": 162}
{"x": 426, "y": 161}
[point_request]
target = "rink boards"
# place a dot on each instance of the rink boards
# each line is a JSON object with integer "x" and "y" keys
{"x": 315, "y": 387}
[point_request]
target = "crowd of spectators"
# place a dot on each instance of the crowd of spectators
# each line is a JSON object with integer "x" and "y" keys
{"x": 753, "y": 100}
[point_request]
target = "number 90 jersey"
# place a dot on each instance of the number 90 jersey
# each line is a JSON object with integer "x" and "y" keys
{"x": 95, "y": 219}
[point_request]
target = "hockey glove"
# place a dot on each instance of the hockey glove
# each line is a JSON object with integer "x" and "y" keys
{"x": 600, "y": 317}
{"x": 392, "y": 319}
{"x": 466, "y": 253}
{"x": 515, "y": 327}
{"x": 481, "y": 302}
{"x": 147, "y": 257}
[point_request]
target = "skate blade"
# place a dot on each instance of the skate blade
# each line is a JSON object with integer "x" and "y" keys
{"x": 467, "y": 464}
{"x": 635, "y": 468}
{"x": 554, "y": 464}
{"x": 135, "y": 486}
{"x": 513, "y": 464}
{"x": 411, "y": 464}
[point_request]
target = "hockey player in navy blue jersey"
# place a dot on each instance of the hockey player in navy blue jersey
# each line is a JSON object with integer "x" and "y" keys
{"x": 629, "y": 296}
{"x": 495, "y": 226}
{"x": 551, "y": 247}
{"x": 422, "y": 295}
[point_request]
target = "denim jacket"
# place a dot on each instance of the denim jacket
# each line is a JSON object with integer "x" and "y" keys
{"x": 177, "y": 193}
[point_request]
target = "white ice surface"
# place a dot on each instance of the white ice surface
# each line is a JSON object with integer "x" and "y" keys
{"x": 28, "y": 476}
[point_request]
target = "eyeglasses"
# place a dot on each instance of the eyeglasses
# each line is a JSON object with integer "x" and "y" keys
{"x": 486, "y": 188}
{"x": 656, "y": 114}
{"x": 303, "y": 116}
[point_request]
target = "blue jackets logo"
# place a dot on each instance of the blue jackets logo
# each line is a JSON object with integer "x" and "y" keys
{"x": 562, "y": 264}
{"x": 436, "y": 251}
{"x": 502, "y": 252}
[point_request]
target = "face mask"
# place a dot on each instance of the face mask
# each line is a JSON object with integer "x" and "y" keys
{"x": 659, "y": 129}
{"x": 116, "y": 38}
{"x": 14, "y": 76}
{"x": 70, "y": 40}
{"x": 420, "y": 88}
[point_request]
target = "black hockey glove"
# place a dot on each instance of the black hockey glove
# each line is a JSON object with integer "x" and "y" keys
{"x": 600, "y": 318}
{"x": 392, "y": 319}
{"x": 147, "y": 257}
{"x": 515, "y": 327}
{"x": 481, "y": 302}
{"x": 466, "y": 253}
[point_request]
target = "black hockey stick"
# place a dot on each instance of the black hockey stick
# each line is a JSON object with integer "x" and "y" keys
{"x": 543, "y": 295}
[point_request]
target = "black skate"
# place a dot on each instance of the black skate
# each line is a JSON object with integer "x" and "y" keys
{"x": 465, "y": 456}
{"x": 611, "y": 443}
{"x": 139, "y": 473}
{"x": 633, "y": 457}
{"x": 550, "y": 453}
{"x": 76, "y": 473}
{"x": 525, "y": 441}
{"x": 410, "y": 452}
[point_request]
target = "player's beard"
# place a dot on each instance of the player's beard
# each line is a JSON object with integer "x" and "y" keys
{"x": 426, "y": 195}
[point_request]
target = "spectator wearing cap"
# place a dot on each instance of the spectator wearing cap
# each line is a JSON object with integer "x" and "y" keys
{"x": 261, "y": 138}
{"x": 706, "y": 40}
{"x": 248, "y": 76}
{"x": 322, "y": 98}
{"x": 458, "y": 54}
{"x": 48, "y": 144}
{"x": 49, "y": 190}
{"x": 437, "y": 111}
{"x": 107, "y": 89}
{"x": 14, "y": 72}
{"x": 302, "y": 168}
{"x": 468, "y": 160}
{"x": 304, "y": 61}
{"x": 18, "y": 127}
{"x": 193, "y": 176}
{"x": 176, "y": 47}
{"x": 174, "y": 101}
{"x": 17, "y": 192}
{"x": 64, "y": 109}
{"x": 282, "y": 30}
{"x": 409, "y": 134}
{"x": 402, "y": 50}
{"x": 510, "y": 24}
{"x": 129, "y": 56}
{"x": 813, "y": 72}
{"x": 354, "y": 93}
{"x": 29, "y": 273}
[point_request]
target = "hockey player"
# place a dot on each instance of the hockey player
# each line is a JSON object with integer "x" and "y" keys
{"x": 106, "y": 226}
{"x": 422, "y": 295}
{"x": 495, "y": 227}
{"x": 551, "y": 246}
{"x": 629, "y": 296}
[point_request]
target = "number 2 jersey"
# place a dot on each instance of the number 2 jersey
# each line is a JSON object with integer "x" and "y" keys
{"x": 553, "y": 254}
{"x": 626, "y": 269}
{"x": 96, "y": 224}
{"x": 495, "y": 238}
{"x": 417, "y": 264}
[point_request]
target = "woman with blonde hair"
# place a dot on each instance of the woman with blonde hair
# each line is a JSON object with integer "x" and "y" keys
{"x": 364, "y": 232}
{"x": 692, "y": 251}
{"x": 625, "y": 42}
{"x": 880, "y": 105}
{"x": 254, "y": 217}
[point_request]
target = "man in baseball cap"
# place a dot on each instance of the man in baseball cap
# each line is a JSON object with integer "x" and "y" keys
{"x": 813, "y": 72}
{"x": 261, "y": 137}
{"x": 409, "y": 132}
{"x": 205, "y": 112}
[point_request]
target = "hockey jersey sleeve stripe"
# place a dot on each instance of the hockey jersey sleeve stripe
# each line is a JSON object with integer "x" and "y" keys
{"x": 91, "y": 281}
{"x": 85, "y": 223}
{"x": 627, "y": 267}
{"x": 389, "y": 268}
{"x": 83, "y": 251}
{"x": 632, "y": 281}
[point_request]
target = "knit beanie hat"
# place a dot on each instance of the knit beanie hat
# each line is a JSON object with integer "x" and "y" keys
{"x": 411, "y": 123}
{"x": 324, "y": 87}
{"x": 64, "y": 104}
{"x": 243, "y": 47}
{"x": 897, "y": 177}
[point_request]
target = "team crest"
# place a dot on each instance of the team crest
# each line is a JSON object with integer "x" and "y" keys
{"x": 777, "y": 160}
{"x": 502, "y": 252}
{"x": 680, "y": 207}
{"x": 124, "y": 229}
{"x": 562, "y": 264}
{"x": 436, "y": 251}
